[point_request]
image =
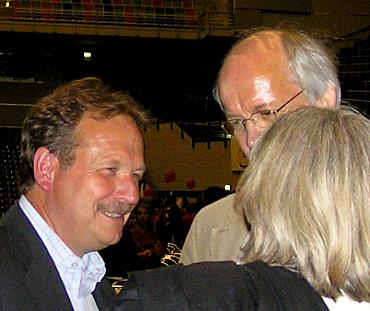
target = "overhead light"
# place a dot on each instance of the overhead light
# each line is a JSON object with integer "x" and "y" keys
{"x": 7, "y": 4}
{"x": 87, "y": 55}
{"x": 227, "y": 187}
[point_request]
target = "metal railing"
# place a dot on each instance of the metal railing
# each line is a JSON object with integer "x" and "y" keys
{"x": 51, "y": 12}
{"x": 92, "y": 13}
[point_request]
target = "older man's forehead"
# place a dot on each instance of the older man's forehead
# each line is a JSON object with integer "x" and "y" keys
{"x": 262, "y": 52}
{"x": 267, "y": 40}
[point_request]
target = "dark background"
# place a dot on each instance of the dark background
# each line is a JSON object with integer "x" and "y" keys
{"x": 172, "y": 78}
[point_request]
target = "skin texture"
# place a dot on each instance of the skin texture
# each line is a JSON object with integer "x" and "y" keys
{"x": 76, "y": 201}
{"x": 256, "y": 76}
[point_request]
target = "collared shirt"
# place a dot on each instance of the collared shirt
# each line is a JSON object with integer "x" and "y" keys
{"x": 79, "y": 275}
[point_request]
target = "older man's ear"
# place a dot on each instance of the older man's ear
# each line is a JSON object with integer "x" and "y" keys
{"x": 329, "y": 99}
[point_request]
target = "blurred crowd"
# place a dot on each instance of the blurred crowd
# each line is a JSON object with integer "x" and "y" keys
{"x": 153, "y": 227}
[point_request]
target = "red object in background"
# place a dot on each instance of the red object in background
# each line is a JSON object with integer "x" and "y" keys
{"x": 170, "y": 175}
{"x": 158, "y": 3}
{"x": 148, "y": 191}
{"x": 190, "y": 183}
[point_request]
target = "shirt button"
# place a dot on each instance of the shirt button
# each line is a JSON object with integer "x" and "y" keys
{"x": 74, "y": 265}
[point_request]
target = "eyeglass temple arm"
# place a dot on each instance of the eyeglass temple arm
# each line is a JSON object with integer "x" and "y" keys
{"x": 296, "y": 95}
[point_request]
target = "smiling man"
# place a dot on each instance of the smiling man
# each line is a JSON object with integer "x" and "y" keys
{"x": 82, "y": 157}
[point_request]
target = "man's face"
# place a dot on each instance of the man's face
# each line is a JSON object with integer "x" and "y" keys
{"x": 91, "y": 200}
{"x": 256, "y": 77}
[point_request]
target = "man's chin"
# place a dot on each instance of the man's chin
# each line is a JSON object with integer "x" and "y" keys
{"x": 112, "y": 241}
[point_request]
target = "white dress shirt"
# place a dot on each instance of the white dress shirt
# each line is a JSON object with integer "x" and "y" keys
{"x": 79, "y": 275}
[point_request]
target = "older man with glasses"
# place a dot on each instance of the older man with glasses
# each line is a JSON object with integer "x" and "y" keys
{"x": 265, "y": 74}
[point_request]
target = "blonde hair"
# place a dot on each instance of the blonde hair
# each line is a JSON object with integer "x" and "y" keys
{"x": 306, "y": 197}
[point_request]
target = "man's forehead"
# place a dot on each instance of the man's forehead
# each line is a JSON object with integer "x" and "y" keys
{"x": 256, "y": 62}
{"x": 269, "y": 41}
{"x": 261, "y": 54}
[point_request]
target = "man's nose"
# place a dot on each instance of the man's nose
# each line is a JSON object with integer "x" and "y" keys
{"x": 253, "y": 132}
{"x": 127, "y": 189}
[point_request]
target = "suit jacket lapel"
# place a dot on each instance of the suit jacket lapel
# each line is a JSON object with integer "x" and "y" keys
{"x": 41, "y": 279}
{"x": 104, "y": 295}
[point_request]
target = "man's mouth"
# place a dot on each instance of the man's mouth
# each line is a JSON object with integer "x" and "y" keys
{"x": 111, "y": 215}
{"x": 115, "y": 210}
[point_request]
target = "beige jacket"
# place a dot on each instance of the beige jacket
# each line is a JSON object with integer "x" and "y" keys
{"x": 216, "y": 234}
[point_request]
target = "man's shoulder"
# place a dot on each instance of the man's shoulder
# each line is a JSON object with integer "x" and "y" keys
{"x": 221, "y": 212}
{"x": 14, "y": 234}
{"x": 219, "y": 206}
{"x": 4, "y": 237}
{"x": 14, "y": 222}
{"x": 220, "y": 227}
{"x": 7, "y": 224}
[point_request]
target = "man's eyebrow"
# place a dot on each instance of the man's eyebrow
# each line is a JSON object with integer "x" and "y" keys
{"x": 111, "y": 162}
{"x": 256, "y": 108}
{"x": 234, "y": 118}
{"x": 141, "y": 169}
{"x": 262, "y": 106}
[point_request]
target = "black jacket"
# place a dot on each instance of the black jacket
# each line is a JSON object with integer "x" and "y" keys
{"x": 29, "y": 279}
{"x": 218, "y": 286}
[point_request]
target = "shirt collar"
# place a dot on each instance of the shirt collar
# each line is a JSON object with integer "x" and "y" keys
{"x": 79, "y": 274}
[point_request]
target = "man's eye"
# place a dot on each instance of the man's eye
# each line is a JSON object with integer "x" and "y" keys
{"x": 111, "y": 170}
{"x": 138, "y": 177}
{"x": 264, "y": 112}
{"x": 236, "y": 123}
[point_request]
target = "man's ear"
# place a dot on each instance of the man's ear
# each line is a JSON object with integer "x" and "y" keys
{"x": 44, "y": 164}
{"x": 329, "y": 100}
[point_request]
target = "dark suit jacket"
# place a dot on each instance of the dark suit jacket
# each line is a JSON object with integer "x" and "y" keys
{"x": 218, "y": 286}
{"x": 29, "y": 279}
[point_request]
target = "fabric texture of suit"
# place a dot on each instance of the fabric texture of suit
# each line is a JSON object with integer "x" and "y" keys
{"x": 29, "y": 279}
{"x": 218, "y": 286}
{"x": 216, "y": 234}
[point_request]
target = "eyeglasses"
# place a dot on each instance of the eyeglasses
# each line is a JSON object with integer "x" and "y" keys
{"x": 261, "y": 119}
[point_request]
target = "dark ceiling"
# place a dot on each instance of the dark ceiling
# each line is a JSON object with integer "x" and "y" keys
{"x": 172, "y": 78}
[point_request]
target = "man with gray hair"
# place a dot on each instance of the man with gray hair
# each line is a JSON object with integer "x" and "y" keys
{"x": 265, "y": 74}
